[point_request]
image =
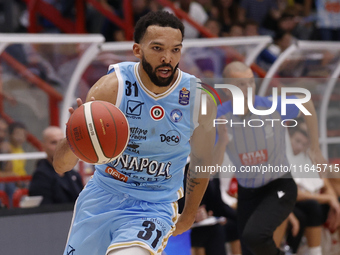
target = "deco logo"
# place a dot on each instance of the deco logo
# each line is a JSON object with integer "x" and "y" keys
{"x": 172, "y": 138}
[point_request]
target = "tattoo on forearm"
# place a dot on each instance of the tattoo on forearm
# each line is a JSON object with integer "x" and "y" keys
{"x": 192, "y": 182}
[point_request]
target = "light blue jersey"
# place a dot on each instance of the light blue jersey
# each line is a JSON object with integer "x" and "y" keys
{"x": 160, "y": 129}
{"x": 132, "y": 201}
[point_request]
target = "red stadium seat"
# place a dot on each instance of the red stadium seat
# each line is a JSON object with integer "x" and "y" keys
{"x": 4, "y": 198}
{"x": 18, "y": 194}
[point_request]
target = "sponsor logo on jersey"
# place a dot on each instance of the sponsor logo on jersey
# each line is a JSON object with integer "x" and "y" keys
{"x": 184, "y": 96}
{"x": 137, "y": 133}
{"x": 145, "y": 165}
{"x": 133, "y": 147}
{"x": 176, "y": 115}
{"x": 157, "y": 112}
{"x": 134, "y": 109}
{"x": 172, "y": 138}
{"x": 254, "y": 157}
{"x": 116, "y": 175}
{"x": 70, "y": 250}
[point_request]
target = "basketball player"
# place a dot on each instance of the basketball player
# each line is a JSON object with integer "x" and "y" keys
{"x": 129, "y": 206}
{"x": 264, "y": 200}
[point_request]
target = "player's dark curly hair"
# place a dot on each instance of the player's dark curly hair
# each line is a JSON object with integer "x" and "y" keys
{"x": 159, "y": 18}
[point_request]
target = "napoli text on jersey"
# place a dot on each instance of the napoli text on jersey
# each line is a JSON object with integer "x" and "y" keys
{"x": 159, "y": 138}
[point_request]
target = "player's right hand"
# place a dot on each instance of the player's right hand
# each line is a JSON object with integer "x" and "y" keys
{"x": 79, "y": 103}
{"x": 183, "y": 224}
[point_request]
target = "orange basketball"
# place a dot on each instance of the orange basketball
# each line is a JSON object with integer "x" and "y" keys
{"x": 97, "y": 132}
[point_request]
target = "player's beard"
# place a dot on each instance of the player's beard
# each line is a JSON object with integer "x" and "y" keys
{"x": 152, "y": 73}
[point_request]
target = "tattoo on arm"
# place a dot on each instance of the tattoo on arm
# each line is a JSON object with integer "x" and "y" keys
{"x": 192, "y": 181}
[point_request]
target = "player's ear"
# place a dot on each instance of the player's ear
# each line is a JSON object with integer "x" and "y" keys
{"x": 137, "y": 50}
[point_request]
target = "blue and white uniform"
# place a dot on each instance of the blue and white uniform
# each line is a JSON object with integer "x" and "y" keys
{"x": 264, "y": 200}
{"x": 255, "y": 146}
{"x": 132, "y": 200}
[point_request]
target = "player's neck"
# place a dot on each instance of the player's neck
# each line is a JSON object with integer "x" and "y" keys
{"x": 150, "y": 85}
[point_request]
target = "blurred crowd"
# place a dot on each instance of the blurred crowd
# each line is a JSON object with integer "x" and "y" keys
{"x": 45, "y": 182}
{"x": 284, "y": 20}
{"x": 288, "y": 19}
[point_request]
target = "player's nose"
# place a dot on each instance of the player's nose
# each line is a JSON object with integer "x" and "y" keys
{"x": 166, "y": 57}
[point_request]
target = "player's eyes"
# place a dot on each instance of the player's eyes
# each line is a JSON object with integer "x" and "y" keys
{"x": 177, "y": 50}
{"x": 156, "y": 48}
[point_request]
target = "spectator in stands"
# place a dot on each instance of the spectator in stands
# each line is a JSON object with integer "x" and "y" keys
{"x": 226, "y": 12}
{"x": 213, "y": 26}
{"x": 259, "y": 11}
{"x": 236, "y": 30}
{"x": 282, "y": 41}
{"x": 94, "y": 18}
{"x": 154, "y": 5}
{"x": 293, "y": 22}
{"x": 251, "y": 28}
{"x": 328, "y": 19}
{"x": 17, "y": 138}
{"x": 303, "y": 7}
{"x": 195, "y": 11}
{"x": 35, "y": 63}
{"x": 206, "y": 4}
{"x": 287, "y": 22}
{"x": 317, "y": 202}
{"x": 206, "y": 62}
{"x": 5, "y": 166}
{"x": 45, "y": 182}
{"x": 111, "y": 31}
{"x": 266, "y": 58}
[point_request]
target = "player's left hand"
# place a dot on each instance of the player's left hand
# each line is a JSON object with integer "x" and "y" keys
{"x": 183, "y": 224}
